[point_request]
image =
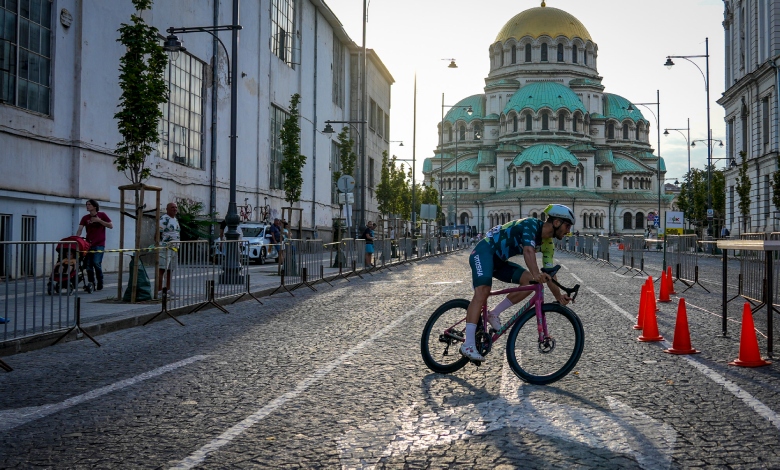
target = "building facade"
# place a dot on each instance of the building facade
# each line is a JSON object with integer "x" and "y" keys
{"x": 545, "y": 131}
{"x": 752, "y": 57}
{"x": 59, "y": 69}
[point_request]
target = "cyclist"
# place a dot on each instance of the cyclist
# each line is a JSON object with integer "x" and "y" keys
{"x": 490, "y": 259}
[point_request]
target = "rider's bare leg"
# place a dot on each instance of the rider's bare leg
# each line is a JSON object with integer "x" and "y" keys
{"x": 513, "y": 297}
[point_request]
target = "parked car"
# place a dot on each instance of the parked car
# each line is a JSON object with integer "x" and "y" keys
{"x": 258, "y": 248}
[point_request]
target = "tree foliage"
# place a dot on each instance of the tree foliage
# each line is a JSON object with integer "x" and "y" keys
{"x": 141, "y": 78}
{"x": 743, "y": 191}
{"x": 347, "y": 156}
{"x": 292, "y": 160}
{"x": 384, "y": 193}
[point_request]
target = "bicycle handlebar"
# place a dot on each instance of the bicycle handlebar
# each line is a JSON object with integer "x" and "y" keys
{"x": 571, "y": 292}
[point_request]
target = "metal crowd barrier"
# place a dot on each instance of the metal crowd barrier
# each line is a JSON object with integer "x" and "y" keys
{"x": 633, "y": 254}
{"x": 776, "y": 273}
{"x": 36, "y": 298}
{"x": 751, "y": 270}
{"x": 683, "y": 255}
{"x": 603, "y": 250}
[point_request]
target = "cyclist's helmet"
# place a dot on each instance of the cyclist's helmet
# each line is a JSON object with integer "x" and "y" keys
{"x": 559, "y": 211}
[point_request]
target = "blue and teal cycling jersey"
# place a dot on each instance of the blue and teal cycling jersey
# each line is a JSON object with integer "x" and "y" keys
{"x": 508, "y": 240}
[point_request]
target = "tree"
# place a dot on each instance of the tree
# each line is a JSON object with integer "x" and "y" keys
{"x": 384, "y": 194}
{"x": 743, "y": 191}
{"x": 347, "y": 157}
{"x": 292, "y": 160}
{"x": 718, "y": 188}
{"x": 141, "y": 78}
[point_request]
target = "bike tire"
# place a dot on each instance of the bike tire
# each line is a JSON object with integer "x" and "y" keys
{"x": 524, "y": 355}
{"x": 433, "y": 346}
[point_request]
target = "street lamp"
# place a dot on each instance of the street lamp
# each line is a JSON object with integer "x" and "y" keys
{"x": 329, "y": 130}
{"x": 669, "y": 64}
{"x": 173, "y": 45}
{"x": 687, "y": 137}
{"x": 657, "y": 116}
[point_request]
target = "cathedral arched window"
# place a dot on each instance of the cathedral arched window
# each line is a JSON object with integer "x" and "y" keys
{"x": 565, "y": 177}
{"x": 449, "y": 134}
{"x": 501, "y": 57}
{"x": 535, "y": 215}
{"x": 546, "y": 176}
{"x": 640, "y": 220}
{"x": 528, "y": 122}
{"x": 574, "y": 123}
{"x": 560, "y": 52}
{"x": 514, "y": 123}
{"x": 514, "y": 178}
{"x": 460, "y": 183}
{"x": 544, "y": 52}
{"x": 461, "y": 132}
{"x": 574, "y": 54}
{"x": 528, "y": 177}
{"x": 501, "y": 219}
{"x": 545, "y": 122}
{"x": 611, "y": 131}
{"x": 631, "y": 183}
{"x": 514, "y": 54}
{"x": 585, "y": 57}
{"x": 492, "y": 181}
{"x": 578, "y": 177}
{"x": 625, "y": 131}
{"x": 637, "y": 134}
{"x": 562, "y": 121}
{"x": 598, "y": 181}
{"x": 528, "y": 53}
{"x": 477, "y": 132}
{"x": 627, "y": 218}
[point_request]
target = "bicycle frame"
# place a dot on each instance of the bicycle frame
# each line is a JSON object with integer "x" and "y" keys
{"x": 537, "y": 299}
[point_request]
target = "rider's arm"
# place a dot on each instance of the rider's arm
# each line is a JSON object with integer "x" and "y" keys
{"x": 562, "y": 298}
{"x": 529, "y": 255}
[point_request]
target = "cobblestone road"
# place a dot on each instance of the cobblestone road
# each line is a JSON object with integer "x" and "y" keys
{"x": 334, "y": 379}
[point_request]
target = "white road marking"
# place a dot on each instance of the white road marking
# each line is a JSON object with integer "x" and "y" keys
{"x": 441, "y": 283}
{"x": 751, "y": 401}
{"x": 10, "y": 419}
{"x": 625, "y": 430}
{"x": 197, "y": 457}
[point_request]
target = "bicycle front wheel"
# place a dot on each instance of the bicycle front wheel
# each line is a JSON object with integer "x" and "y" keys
{"x": 443, "y": 335}
{"x": 543, "y": 362}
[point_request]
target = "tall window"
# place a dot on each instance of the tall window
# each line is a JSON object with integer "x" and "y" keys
{"x": 544, "y": 52}
{"x": 578, "y": 177}
{"x": 181, "y": 126}
{"x": 767, "y": 197}
{"x": 371, "y": 114}
{"x": 585, "y": 56}
{"x": 560, "y": 53}
{"x": 528, "y": 176}
{"x": 387, "y": 127}
{"x": 492, "y": 181}
{"x": 598, "y": 181}
{"x": 730, "y": 140}
{"x": 449, "y": 134}
{"x": 514, "y": 123}
{"x": 282, "y": 29}
{"x": 546, "y": 176}
{"x": 545, "y": 122}
{"x": 625, "y": 131}
{"x": 370, "y": 172}
{"x": 640, "y": 220}
{"x": 477, "y": 132}
{"x": 765, "y": 119}
{"x": 338, "y": 72}
{"x": 335, "y": 165}
{"x": 636, "y": 133}
{"x": 561, "y": 121}
{"x": 514, "y": 178}
{"x": 528, "y": 53}
{"x": 574, "y": 123}
{"x": 501, "y": 57}
{"x": 565, "y": 177}
{"x": 528, "y": 122}
{"x": 25, "y": 54}
{"x": 461, "y": 132}
{"x": 627, "y": 218}
{"x": 514, "y": 54}
{"x": 574, "y": 54}
{"x": 380, "y": 121}
{"x": 611, "y": 131}
{"x": 278, "y": 116}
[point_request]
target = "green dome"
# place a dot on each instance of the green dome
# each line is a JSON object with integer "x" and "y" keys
{"x": 615, "y": 106}
{"x": 538, "y": 154}
{"x": 427, "y": 165}
{"x": 467, "y": 165}
{"x": 625, "y": 165}
{"x": 544, "y": 95}
{"x": 459, "y": 111}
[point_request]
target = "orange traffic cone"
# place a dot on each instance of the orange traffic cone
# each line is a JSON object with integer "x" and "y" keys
{"x": 682, "y": 337}
{"x": 651, "y": 288}
{"x": 669, "y": 280}
{"x": 663, "y": 290}
{"x": 748, "y": 344}
{"x": 640, "y": 317}
{"x": 650, "y": 326}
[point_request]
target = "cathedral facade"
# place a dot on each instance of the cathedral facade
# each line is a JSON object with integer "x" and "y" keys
{"x": 545, "y": 131}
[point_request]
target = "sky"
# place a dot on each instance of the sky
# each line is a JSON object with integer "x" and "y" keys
{"x": 633, "y": 37}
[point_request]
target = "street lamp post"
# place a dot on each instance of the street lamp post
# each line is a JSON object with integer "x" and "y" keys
{"x": 329, "y": 130}
{"x": 687, "y": 137}
{"x": 469, "y": 111}
{"x": 172, "y": 44}
{"x": 669, "y": 63}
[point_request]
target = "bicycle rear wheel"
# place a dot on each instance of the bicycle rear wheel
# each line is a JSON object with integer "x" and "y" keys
{"x": 443, "y": 335}
{"x": 543, "y": 363}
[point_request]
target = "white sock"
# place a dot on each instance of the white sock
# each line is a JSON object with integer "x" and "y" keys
{"x": 503, "y": 305}
{"x": 471, "y": 330}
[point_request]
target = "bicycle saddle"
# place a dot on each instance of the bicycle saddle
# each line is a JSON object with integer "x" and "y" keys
{"x": 551, "y": 271}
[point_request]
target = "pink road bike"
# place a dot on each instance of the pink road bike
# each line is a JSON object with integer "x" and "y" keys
{"x": 539, "y": 353}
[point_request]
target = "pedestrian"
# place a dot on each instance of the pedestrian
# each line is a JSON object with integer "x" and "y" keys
{"x": 96, "y": 223}
{"x": 724, "y": 232}
{"x": 170, "y": 234}
{"x": 368, "y": 234}
{"x": 276, "y": 240}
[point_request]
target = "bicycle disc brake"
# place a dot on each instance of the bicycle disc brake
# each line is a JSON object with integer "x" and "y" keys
{"x": 547, "y": 345}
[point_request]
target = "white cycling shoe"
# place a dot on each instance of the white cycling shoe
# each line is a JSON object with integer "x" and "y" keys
{"x": 471, "y": 353}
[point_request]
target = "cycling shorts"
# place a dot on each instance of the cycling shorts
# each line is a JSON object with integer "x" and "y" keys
{"x": 485, "y": 266}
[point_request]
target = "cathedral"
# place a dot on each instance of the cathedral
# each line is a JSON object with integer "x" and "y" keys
{"x": 544, "y": 131}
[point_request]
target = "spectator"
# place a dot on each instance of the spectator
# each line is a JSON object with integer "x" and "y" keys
{"x": 276, "y": 239}
{"x": 170, "y": 234}
{"x": 96, "y": 223}
{"x": 368, "y": 234}
{"x": 724, "y": 232}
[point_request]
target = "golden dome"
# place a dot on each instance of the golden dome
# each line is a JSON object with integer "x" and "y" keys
{"x": 543, "y": 21}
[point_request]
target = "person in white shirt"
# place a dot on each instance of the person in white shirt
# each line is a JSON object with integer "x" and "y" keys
{"x": 170, "y": 234}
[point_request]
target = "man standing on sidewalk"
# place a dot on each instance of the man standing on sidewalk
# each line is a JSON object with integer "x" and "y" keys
{"x": 170, "y": 234}
{"x": 96, "y": 223}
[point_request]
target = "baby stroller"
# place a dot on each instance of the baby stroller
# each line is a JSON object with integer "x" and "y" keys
{"x": 66, "y": 274}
